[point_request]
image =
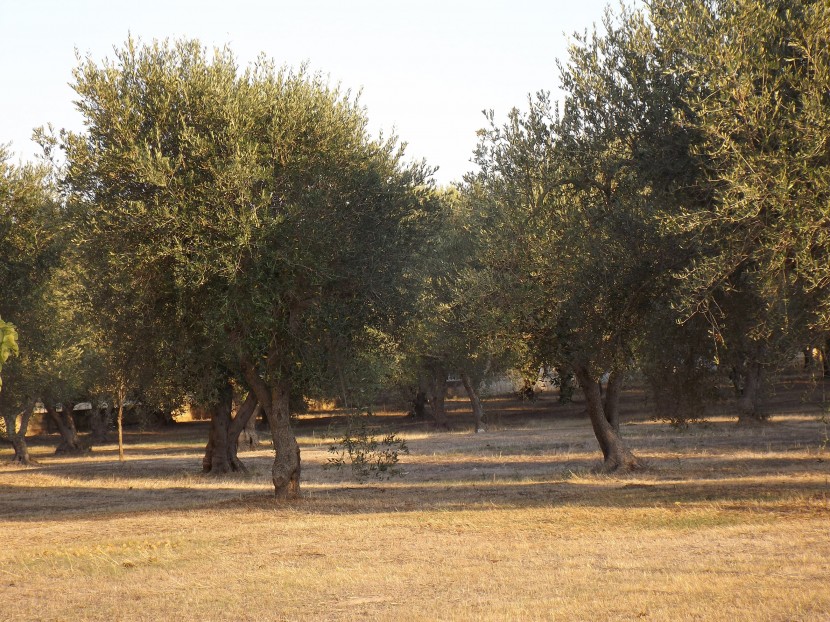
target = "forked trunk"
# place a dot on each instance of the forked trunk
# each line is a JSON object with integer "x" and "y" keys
{"x": 475, "y": 402}
{"x": 239, "y": 425}
{"x": 611, "y": 407}
{"x": 216, "y": 460}
{"x": 248, "y": 439}
{"x": 65, "y": 423}
{"x": 439, "y": 397}
{"x": 750, "y": 394}
{"x": 275, "y": 402}
{"x": 616, "y": 456}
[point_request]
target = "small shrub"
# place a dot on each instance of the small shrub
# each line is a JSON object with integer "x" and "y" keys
{"x": 367, "y": 456}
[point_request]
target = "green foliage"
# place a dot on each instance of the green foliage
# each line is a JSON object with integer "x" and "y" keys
{"x": 573, "y": 198}
{"x": 32, "y": 236}
{"x": 367, "y": 456}
{"x": 758, "y": 76}
{"x": 238, "y": 213}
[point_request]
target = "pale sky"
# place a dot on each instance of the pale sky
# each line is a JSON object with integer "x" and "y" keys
{"x": 426, "y": 69}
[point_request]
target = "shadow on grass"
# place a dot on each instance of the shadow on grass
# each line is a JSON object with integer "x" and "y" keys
{"x": 543, "y": 458}
{"x": 514, "y": 485}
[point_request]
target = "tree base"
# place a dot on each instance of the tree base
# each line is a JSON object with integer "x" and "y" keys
{"x": 72, "y": 450}
{"x": 627, "y": 465}
{"x": 22, "y": 461}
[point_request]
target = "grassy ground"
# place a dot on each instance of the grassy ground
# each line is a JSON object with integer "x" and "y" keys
{"x": 726, "y": 523}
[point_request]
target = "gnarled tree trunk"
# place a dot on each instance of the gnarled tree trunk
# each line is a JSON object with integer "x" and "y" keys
{"x": 216, "y": 460}
{"x": 286, "y": 470}
{"x": 17, "y": 434}
{"x": 275, "y": 403}
{"x": 475, "y": 402}
{"x": 65, "y": 423}
{"x": 239, "y": 425}
{"x": 616, "y": 455}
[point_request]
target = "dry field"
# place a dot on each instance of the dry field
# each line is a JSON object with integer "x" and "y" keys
{"x": 726, "y": 523}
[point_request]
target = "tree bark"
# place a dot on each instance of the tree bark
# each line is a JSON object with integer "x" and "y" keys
{"x": 439, "y": 396}
{"x": 419, "y": 404}
{"x": 248, "y": 438}
{"x": 99, "y": 421}
{"x": 240, "y": 424}
{"x": 611, "y": 407}
{"x": 616, "y": 455}
{"x": 274, "y": 400}
{"x": 286, "y": 470}
{"x": 65, "y": 423}
{"x": 475, "y": 402}
{"x": 750, "y": 393}
{"x": 17, "y": 435}
{"x": 216, "y": 460}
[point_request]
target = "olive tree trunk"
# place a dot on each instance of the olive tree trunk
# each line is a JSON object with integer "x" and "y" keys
{"x": 248, "y": 438}
{"x": 475, "y": 402}
{"x": 217, "y": 459}
{"x": 17, "y": 434}
{"x": 286, "y": 470}
{"x": 616, "y": 455}
{"x": 228, "y": 436}
{"x": 99, "y": 422}
{"x": 749, "y": 399}
{"x": 274, "y": 399}
{"x": 65, "y": 423}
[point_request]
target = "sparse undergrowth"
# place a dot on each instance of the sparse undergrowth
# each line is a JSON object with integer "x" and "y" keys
{"x": 367, "y": 456}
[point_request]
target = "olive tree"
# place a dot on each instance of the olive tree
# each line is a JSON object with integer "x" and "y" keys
{"x": 758, "y": 75}
{"x": 31, "y": 225}
{"x": 575, "y": 201}
{"x": 241, "y": 207}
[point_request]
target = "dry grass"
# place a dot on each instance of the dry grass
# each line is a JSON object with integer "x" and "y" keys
{"x": 726, "y": 523}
